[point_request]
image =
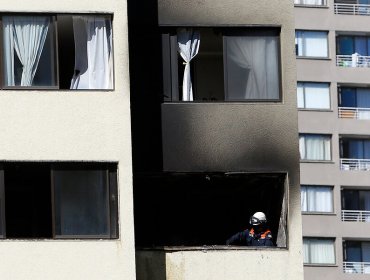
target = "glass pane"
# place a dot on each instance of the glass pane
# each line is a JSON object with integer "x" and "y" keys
{"x": 317, "y": 96}
{"x": 351, "y": 200}
{"x": 356, "y": 149}
{"x": 348, "y": 97}
{"x": 353, "y": 251}
{"x": 28, "y": 61}
{"x": 345, "y": 45}
{"x": 81, "y": 202}
{"x": 315, "y": 44}
{"x": 300, "y": 96}
{"x": 360, "y": 45}
{"x": 306, "y": 251}
{"x": 252, "y": 67}
{"x": 322, "y": 251}
{"x": 317, "y": 147}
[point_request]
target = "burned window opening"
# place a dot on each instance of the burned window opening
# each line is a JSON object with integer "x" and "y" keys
{"x": 197, "y": 209}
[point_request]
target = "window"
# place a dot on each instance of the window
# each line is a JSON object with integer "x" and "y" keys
{"x": 58, "y": 200}
{"x": 313, "y": 95}
{"x": 317, "y": 199}
{"x": 314, "y": 147}
{"x": 62, "y": 51}
{"x": 310, "y": 2}
{"x": 185, "y": 208}
{"x": 348, "y": 45}
{"x": 353, "y": 148}
{"x": 356, "y": 200}
{"x": 318, "y": 251}
{"x": 311, "y": 43}
{"x": 357, "y": 251}
{"x": 221, "y": 64}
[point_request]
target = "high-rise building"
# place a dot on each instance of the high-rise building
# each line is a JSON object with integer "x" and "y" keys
{"x": 333, "y": 90}
{"x": 215, "y": 137}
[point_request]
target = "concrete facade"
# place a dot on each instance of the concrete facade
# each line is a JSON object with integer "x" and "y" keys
{"x": 327, "y": 122}
{"x": 62, "y": 125}
{"x": 221, "y": 132}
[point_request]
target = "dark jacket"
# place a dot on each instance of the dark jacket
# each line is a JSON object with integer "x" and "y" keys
{"x": 249, "y": 238}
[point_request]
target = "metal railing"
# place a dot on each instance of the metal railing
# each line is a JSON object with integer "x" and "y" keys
{"x": 307, "y": 3}
{"x": 353, "y": 60}
{"x": 356, "y": 267}
{"x": 355, "y": 216}
{"x": 354, "y": 113}
{"x": 352, "y": 9}
{"x": 354, "y": 164}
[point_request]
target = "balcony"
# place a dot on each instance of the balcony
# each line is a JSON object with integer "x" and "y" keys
{"x": 356, "y": 267}
{"x": 354, "y": 113}
{"x": 352, "y": 9}
{"x": 353, "y": 60}
{"x": 354, "y": 164}
{"x": 355, "y": 216}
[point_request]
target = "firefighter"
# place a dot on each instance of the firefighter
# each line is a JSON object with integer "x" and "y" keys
{"x": 258, "y": 235}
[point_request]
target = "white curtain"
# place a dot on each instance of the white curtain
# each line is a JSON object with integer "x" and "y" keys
{"x": 316, "y": 199}
{"x": 27, "y": 35}
{"x": 258, "y": 58}
{"x": 93, "y": 53}
{"x": 322, "y": 251}
{"x": 312, "y": 43}
{"x": 306, "y": 251}
{"x": 310, "y": 2}
{"x": 188, "y": 46}
{"x": 317, "y": 96}
{"x": 300, "y": 95}
{"x": 314, "y": 147}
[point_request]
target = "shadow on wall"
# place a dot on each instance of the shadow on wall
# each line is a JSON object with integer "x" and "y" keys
{"x": 150, "y": 265}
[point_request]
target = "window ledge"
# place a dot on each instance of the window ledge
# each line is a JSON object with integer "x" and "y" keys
{"x": 316, "y": 110}
{"x": 317, "y": 161}
{"x": 319, "y": 213}
{"x": 210, "y": 248}
{"x": 311, "y": 6}
{"x": 223, "y": 102}
{"x": 313, "y": 58}
{"x": 320, "y": 265}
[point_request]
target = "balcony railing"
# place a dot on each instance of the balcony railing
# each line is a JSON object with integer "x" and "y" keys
{"x": 356, "y": 267}
{"x": 352, "y": 9}
{"x": 355, "y": 164}
{"x": 353, "y": 60}
{"x": 355, "y": 216}
{"x": 354, "y": 113}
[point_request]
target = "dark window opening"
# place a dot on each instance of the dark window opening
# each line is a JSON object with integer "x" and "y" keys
{"x": 354, "y": 98}
{"x": 231, "y": 64}
{"x": 353, "y": 148}
{"x": 357, "y": 200}
{"x": 356, "y": 251}
{"x": 196, "y": 209}
{"x": 58, "y": 200}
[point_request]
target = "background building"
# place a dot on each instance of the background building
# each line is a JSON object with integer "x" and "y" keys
{"x": 203, "y": 162}
{"x": 332, "y": 46}
{"x": 66, "y": 177}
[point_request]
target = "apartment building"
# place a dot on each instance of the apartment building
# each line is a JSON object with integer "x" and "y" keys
{"x": 65, "y": 178}
{"x": 333, "y": 90}
{"x": 215, "y": 137}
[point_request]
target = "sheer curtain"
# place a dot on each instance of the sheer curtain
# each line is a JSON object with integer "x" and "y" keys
{"x": 322, "y": 251}
{"x": 93, "y": 53}
{"x": 317, "y": 95}
{"x": 316, "y": 199}
{"x": 310, "y": 2}
{"x": 312, "y": 43}
{"x": 314, "y": 147}
{"x": 26, "y": 35}
{"x": 257, "y": 57}
{"x": 188, "y": 46}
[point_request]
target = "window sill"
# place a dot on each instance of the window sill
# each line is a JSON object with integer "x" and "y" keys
{"x": 210, "y": 248}
{"x": 313, "y": 58}
{"x": 223, "y": 102}
{"x": 51, "y": 89}
{"x": 311, "y": 6}
{"x": 319, "y": 213}
{"x": 315, "y": 110}
{"x": 317, "y": 161}
{"x": 320, "y": 265}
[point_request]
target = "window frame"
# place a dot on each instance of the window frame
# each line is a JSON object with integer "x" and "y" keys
{"x": 112, "y": 199}
{"x": 325, "y": 5}
{"x": 171, "y": 80}
{"x": 317, "y": 160}
{"x": 319, "y": 212}
{"x": 309, "y": 239}
{"x": 304, "y": 96}
{"x": 312, "y": 57}
{"x": 55, "y": 50}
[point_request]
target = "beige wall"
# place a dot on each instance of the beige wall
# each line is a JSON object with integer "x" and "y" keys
{"x": 72, "y": 126}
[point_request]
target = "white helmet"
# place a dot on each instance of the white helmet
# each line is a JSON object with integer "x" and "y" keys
{"x": 258, "y": 218}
